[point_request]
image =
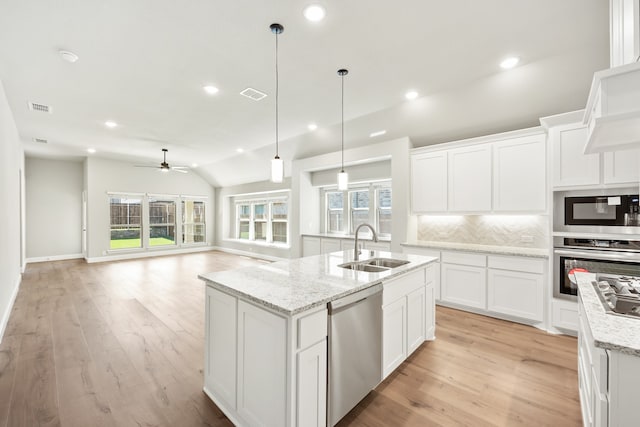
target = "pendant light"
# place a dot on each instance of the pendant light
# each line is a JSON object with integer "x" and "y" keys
{"x": 343, "y": 177}
{"x": 277, "y": 165}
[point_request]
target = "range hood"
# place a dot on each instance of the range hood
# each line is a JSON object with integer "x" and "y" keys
{"x": 612, "y": 114}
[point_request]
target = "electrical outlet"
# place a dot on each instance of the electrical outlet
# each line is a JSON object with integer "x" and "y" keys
{"x": 526, "y": 239}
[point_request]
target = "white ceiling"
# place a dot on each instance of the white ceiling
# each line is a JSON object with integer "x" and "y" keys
{"x": 143, "y": 64}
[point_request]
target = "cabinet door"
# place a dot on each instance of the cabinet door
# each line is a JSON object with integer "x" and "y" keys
{"x": 519, "y": 168}
{"x": 262, "y": 361}
{"x": 571, "y": 166}
{"x": 220, "y": 352}
{"x": 416, "y": 324}
{"x": 429, "y": 182}
{"x": 429, "y": 312}
{"x": 470, "y": 179}
{"x": 621, "y": 167}
{"x": 394, "y": 335}
{"x": 377, "y": 246}
{"x": 516, "y": 294}
{"x": 465, "y": 285}
{"x": 310, "y": 246}
{"x": 330, "y": 245}
{"x": 312, "y": 386}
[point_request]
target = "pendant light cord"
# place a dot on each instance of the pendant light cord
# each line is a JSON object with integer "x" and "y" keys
{"x": 342, "y": 101}
{"x": 277, "y": 90}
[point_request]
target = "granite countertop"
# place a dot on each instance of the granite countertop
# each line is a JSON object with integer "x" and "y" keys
{"x": 609, "y": 331}
{"x": 293, "y": 286}
{"x": 362, "y": 237}
{"x": 472, "y": 247}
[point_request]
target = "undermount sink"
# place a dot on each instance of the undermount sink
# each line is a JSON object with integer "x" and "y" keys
{"x": 375, "y": 265}
{"x": 387, "y": 262}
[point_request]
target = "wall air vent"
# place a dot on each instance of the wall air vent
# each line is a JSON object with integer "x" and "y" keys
{"x": 34, "y": 106}
{"x": 40, "y": 140}
{"x": 254, "y": 94}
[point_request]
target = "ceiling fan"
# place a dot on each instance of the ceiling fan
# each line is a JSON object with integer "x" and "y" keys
{"x": 164, "y": 166}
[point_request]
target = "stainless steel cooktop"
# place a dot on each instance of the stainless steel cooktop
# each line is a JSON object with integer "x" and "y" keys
{"x": 619, "y": 294}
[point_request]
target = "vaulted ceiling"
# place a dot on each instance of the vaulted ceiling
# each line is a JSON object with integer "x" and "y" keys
{"x": 143, "y": 64}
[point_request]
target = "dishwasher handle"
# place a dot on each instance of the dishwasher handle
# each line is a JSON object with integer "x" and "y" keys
{"x": 353, "y": 298}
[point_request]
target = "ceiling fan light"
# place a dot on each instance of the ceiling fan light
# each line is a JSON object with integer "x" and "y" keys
{"x": 343, "y": 181}
{"x": 277, "y": 170}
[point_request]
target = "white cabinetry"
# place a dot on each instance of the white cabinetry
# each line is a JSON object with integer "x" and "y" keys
{"x": 310, "y": 245}
{"x": 571, "y": 167}
{"x": 519, "y": 174}
{"x": 470, "y": 179}
{"x": 429, "y": 182}
{"x": 464, "y": 279}
{"x": 515, "y": 287}
{"x": 330, "y": 245}
{"x": 433, "y": 272}
{"x": 259, "y": 364}
{"x": 621, "y": 167}
{"x": 407, "y": 315}
{"x": 625, "y": 31}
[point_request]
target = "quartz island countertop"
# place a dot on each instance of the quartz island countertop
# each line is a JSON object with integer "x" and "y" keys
{"x": 610, "y": 331}
{"x": 292, "y": 286}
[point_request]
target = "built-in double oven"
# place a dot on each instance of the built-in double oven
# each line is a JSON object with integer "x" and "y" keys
{"x": 596, "y": 233}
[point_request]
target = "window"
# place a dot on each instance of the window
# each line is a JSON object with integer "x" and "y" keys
{"x": 264, "y": 220}
{"x": 335, "y": 212}
{"x": 368, "y": 203}
{"x": 126, "y": 222}
{"x": 193, "y": 222}
{"x": 162, "y": 222}
{"x": 166, "y": 216}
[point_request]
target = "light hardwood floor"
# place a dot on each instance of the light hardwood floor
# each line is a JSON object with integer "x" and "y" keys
{"x": 121, "y": 344}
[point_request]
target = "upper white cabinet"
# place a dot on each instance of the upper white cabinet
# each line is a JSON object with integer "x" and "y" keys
{"x": 498, "y": 173}
{"x": 429, "y": 182}
{"x": 519, "y": 174}
{"x": 625, "y": 31}
{"x": 470, "y": 179}
{"x": 573, "y": 168}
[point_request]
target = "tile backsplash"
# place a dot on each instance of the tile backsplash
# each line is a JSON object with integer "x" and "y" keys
{"x": 529, "y": 231}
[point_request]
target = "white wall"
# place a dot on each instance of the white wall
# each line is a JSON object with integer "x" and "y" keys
{"x": 104, "y": 176}
{"x": 11, "y": 214}
{"x": 53, "y": 208}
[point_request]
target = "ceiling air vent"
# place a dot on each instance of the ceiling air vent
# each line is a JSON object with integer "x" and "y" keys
{"x": 34, "y": 106}
{"x": 254, "y": 94}
{"x": 40, "y": 140}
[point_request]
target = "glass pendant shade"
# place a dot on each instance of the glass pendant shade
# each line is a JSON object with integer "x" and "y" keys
{"x": 277, "y": 170}
{"x": 343, "y": 180}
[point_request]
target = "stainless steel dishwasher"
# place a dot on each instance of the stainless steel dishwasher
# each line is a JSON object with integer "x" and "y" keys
{"x": 355, "y": 350}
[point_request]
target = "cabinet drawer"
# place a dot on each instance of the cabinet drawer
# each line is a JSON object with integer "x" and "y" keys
{"x": 463, "y": 258}
{"x": 525, "y": 265}
{"x": 398, "y": 288}
{"x": 312, "y": 328}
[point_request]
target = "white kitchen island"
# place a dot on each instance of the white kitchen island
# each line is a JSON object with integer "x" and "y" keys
{"x": 266, "y": 331}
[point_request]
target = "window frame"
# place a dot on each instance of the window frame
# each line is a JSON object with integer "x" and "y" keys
{"x": 184, "y": 223}
{"x": 268, "y": 220}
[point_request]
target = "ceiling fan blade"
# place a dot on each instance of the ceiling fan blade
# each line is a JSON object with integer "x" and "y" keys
{"x": 145, "y": 166}
{"x": 179, "y": 167}
{"x": 179, "y": 170}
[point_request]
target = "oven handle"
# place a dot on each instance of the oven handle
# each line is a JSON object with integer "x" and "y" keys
{"x": 603, "y": 255}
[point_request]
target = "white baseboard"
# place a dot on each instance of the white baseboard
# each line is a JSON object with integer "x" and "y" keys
{"x": 54, "y": 258}
{"x": 7, "y": 314}
{"x": 147, "y": 254}
{"x": 249, "y": 254}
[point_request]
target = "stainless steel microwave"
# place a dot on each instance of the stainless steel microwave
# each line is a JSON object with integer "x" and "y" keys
{"x": 620, "y": 210}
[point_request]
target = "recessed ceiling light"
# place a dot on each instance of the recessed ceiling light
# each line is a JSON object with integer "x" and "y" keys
{"x": 194, "y": 165}
{"x": 91, "y": 150}
{"x": 68, "y": 56}
{"x": 314, "y": 13}
{"x": 240, "y": 150}
{"x": 510, "y": 62}
{"x": 312, "y": 126}
{"x": 110, "y": 124}
{"x": 411, "y": 94}
{"x": 211, "y": 90}
{"x": 378, "y": 133}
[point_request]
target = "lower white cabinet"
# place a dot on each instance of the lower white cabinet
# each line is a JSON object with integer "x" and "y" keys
{"x": 330, "y": 245}
{"x": 262, "y": 368}
{"x": 310, "y": 246}
{"x": 515, "y": 287}
{"x": 314, "y": 245}
{"x": 433, "y": 271}
{"x": 464, "y": 279}
{"x": 408, "y": 311}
